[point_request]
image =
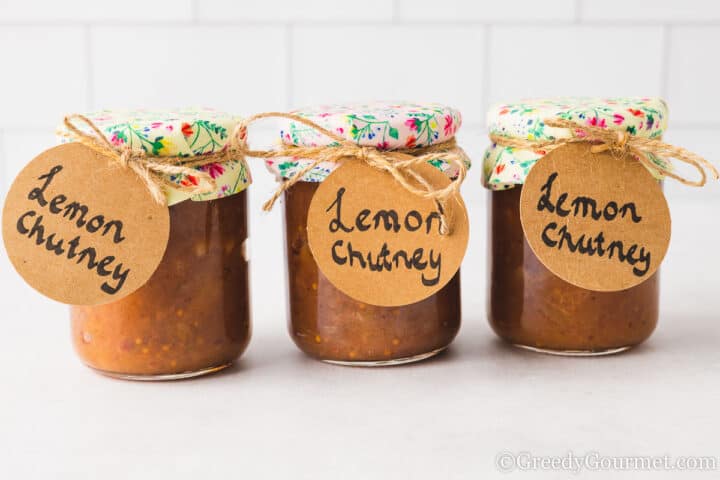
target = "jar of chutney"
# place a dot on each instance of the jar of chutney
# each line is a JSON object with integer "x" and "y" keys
{"x": 529, "y": 305}
{"x": 324, "y": 322}
{"x": 193, "y": 315}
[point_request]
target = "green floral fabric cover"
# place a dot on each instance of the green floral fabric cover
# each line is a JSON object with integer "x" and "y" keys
{"x": 188, "y": 132}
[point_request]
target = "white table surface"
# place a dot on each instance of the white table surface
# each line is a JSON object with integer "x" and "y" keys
{"x": 278, "y": 414}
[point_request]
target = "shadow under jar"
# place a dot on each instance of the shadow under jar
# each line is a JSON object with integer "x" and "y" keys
{"x": 528, "y": 305}
{"x": 331, "y": 326}
{"x": 192, "y": 317}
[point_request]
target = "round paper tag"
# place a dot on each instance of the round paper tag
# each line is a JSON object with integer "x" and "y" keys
{"x": 595, "y": 220}
{"x": 379, "y": 243}
{"x": 80, "y": 230}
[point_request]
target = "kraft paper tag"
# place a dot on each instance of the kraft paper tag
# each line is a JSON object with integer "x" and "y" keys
{"x": 595, "y": 220}
{"x": 80, "y": 230}
{"x": 379, "y": 243}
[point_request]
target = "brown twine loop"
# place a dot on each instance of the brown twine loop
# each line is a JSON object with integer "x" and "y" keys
{"x": 398, "y": 163}
{"x": 620, "y": 143}
{"x": 152, "y": 170}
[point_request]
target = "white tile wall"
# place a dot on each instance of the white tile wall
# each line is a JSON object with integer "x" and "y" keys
{"x": 295, "y": 11}
{"x": 479, "y": 11}
{"x": 358, "y": 63}
{"x": 167, "y": 66}
{"x": 651, "y": 11}
{"x": 693, "y": 74}
{"x": 75, "y": 55}
{"x": 19, "y": 146}
{"x": 44, "y": 74}
{"x": 530, "y": 61}
{"x": 74, "y": 11}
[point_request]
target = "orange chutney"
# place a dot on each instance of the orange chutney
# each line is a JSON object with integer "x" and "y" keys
{"x": 531, "y": 307}
{"x": 327, "y": 324}
{"x": 193, "y": 316}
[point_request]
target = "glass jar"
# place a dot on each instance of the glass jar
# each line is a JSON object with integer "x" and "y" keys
{"x": 324, "y": 322}
{"x": 528, "y": 305}
{"x": 193, "y": 316}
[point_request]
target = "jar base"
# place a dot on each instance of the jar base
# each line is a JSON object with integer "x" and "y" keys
{"x": 574, "y": 353}
{"x": 163, "y": 376}
{"x": 386, "y": 363}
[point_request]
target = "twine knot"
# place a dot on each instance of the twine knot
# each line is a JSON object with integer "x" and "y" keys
{"x": 364, "y": 153}
{"x": 124, "y": 157}
{"x": 621, "y": 143}
{"x": 617, "y": 146}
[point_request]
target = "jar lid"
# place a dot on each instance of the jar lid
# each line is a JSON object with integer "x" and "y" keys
{"x": 504, "y": 167}
{"x": 186, "y": 132}
{"x": 386, "y": 126}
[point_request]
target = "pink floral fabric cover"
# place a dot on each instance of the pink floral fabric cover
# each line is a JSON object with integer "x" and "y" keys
{"x": 386, "y": 126}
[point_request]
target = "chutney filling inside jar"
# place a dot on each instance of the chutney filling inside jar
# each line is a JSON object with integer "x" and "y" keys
{"x": 530, "y": 306}
{"x": 329, "y": 325}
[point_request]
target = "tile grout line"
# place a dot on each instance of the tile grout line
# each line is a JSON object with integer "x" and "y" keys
{"x": 89, "y": 87}
{"x": 394, "y": 12}
{"x": 289, "y": 73}
{"x": 194, "y": 11}
{"x": 665, "y": 61}
{"x": 578, "y": 11}
{"x": 486, "y": 77}
{"x": 350, "y": 22}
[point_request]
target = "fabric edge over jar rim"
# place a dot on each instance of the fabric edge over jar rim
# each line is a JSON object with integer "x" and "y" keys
{"x": 399, "y": 128}
{"x": 506, "y": 167}
{"x": 188, "y": 132}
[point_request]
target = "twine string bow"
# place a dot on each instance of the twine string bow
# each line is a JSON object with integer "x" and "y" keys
{"x": 619, "y": 143}
{"x": 398, "y": 163}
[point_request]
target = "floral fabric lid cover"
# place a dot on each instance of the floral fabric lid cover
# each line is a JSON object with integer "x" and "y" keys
{"x": 386, "y": 126}
{"x": 189, "y": 132}
{"x": 505, "y": 167}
